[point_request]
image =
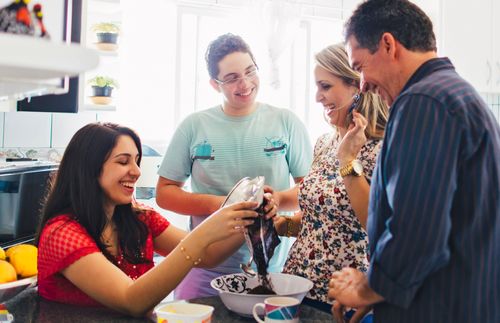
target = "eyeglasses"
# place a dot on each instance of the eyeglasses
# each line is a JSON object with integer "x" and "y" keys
{"x": 250, "y": 75}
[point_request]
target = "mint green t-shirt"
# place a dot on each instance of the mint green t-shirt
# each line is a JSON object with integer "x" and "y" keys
{"x": 215, "y": 151}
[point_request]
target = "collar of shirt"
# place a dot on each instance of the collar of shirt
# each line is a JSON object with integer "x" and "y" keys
{"x": 427, "y": 68}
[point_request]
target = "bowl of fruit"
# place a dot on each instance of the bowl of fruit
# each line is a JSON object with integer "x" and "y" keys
{"x": 18, "y": 270}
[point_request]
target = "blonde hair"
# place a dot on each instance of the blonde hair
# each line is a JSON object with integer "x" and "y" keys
{"x": 334, "y": 60}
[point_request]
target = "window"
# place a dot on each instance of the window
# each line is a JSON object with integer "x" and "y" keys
{"x": 165, "y": 51}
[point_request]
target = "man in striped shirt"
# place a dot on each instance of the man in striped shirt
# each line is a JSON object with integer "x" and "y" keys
{"x": 434, "y": 213}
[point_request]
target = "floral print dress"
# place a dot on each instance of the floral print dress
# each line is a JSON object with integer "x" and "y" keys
{"x": 331, "y": 236}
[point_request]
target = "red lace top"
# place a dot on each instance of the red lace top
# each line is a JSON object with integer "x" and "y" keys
{"x": 63, "y": 241}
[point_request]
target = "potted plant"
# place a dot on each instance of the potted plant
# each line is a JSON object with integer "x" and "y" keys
{"x": 102, "y": 88}
{"x": 107, "y": 35}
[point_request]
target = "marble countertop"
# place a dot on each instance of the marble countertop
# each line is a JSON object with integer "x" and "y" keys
{"x": 29, "y": 307}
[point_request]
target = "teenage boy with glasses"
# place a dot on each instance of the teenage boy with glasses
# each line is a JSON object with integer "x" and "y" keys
{"x": 217, "y": 147}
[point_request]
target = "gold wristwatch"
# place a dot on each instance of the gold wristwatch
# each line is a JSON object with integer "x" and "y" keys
{"x": 354, "y": 167}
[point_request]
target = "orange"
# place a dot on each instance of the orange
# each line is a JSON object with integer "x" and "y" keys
{"x": 2, "y": 254}
{"x": 7, "y": 272}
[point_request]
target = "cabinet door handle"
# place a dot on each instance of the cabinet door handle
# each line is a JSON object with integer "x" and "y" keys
{"x": 488, "y": 79}
{"x": 498, "y": 72}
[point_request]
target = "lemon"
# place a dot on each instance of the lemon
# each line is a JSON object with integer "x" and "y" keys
{"x": 11, "y": 250}
{"x": 2, "y": 254}
{"x": 24, "y": 259}
{"x": 7, "y": 272}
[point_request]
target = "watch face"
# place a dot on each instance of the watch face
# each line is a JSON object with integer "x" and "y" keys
{"x": 357, "y": 167}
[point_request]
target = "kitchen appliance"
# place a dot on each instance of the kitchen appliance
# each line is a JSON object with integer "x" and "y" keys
{"x": 23, "y": 186}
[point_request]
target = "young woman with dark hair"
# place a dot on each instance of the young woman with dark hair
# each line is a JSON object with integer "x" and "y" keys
{"x": 96, "y": 244}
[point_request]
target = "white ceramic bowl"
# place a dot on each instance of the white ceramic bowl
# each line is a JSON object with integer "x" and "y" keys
{"x": 182, "y": 312}
{"x": 233, "y": 290}
{"x": 9, "y": 290}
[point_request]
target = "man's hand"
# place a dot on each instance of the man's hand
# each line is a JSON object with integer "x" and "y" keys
{"x": 338, "y": 311}
{"x": 350, "y": 288}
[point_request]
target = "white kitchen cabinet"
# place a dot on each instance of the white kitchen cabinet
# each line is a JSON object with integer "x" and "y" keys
{"x": 470, "y": 38}
{"x": 433, "y": 9}
{"x": 495, "y": 42}
{"x": 466, "y": 38}
{"x": 21, "y": 75}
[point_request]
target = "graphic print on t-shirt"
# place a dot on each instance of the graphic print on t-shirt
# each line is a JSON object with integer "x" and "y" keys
{"x": 203, "y": 151}
{"x": 275, "y": 146}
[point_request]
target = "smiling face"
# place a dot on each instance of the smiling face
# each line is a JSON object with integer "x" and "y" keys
{"x": 240, "y": 95}
{"x": 374, "y": 69}
{"x": 335, "y": 95}
{"x": 120, "y": 173}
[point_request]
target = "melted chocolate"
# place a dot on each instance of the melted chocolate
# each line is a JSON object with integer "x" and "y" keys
{"x": 261, "y": 290}
{"x": 264, "y": 240}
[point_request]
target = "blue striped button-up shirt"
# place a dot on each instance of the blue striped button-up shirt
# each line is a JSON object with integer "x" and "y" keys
{"x": 434, "y": 223}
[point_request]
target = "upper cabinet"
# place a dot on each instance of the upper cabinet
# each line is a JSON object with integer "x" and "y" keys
{"x": 469, "y": 37}
{"x": 31, "y": 67}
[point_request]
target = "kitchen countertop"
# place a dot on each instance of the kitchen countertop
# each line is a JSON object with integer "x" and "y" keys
{"x": 23, "y": 166}
{"x": 29, "y": 307}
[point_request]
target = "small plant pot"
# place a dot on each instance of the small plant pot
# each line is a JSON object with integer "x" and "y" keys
{"x": 107, "y": 41}
{"x": 102, "y": 90}
{"x": 110, "y": 38}
{"x": 101, "y": 95}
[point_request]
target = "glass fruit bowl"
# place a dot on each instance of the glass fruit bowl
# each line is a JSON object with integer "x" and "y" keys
{"x": 11, "y": 289}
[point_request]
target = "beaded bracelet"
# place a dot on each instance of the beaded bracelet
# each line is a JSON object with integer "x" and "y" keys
{"x": 189, "y": 258}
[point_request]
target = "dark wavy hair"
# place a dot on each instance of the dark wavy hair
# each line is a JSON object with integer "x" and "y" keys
{"x": 401, "y": 18}
{"x": 220, "y": 48}
{"x": 75, "y": 190}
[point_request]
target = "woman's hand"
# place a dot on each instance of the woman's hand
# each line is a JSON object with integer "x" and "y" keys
{"x": 353, "y": 140}
{"x": 272, "y": 205}
{"x": 228, "y": 221}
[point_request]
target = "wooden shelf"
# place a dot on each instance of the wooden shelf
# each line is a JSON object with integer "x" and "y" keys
{"x": 110, "y": 1}
{"x": 99, "y": 107}
{"x": 97, "y": 11}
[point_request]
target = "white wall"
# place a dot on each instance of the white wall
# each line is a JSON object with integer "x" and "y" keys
{"x": 158, "y": 94}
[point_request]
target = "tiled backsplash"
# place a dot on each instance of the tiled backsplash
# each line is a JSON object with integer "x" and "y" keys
{"x": 24, "y": 129}
{"x": 45, "y": 135}
{"x": 39, "y": 134}
{"x": 493, "y": 100}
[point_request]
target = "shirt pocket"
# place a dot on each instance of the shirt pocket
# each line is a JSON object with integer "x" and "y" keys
{"x": 202, "y": 151}
{"x": 275, "y": 146}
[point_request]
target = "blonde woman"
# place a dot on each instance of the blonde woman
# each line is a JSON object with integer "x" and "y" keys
{"x": 333, "y": 197}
